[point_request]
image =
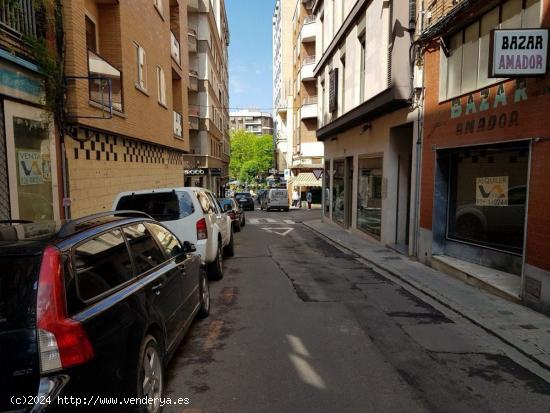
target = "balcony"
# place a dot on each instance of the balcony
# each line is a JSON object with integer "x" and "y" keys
{"x": 306, "y": 72}
{"x": 194, "y": 119}
{"x": 105, "y": 84}
{"x": 193, "y": 84}
{"x": 309, "y": 30}
{"x": 309, "y": 107}
{"x": 192, "y": 40}
{"x": 178, "y": 125}
{"x": 175, "y": 48}
{"x": 18, "y": 18}
{"x": 193, "y": 5}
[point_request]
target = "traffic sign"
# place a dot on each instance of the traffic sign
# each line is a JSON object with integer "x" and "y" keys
{"x": 317, "y": 173}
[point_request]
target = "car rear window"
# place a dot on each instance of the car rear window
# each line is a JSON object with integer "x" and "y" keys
{"x": 278, "y": 194}
{"x": 163, "y": 206}
{"x": 17, "y": 291}
{"x": 102, "y": 264}
{"x": 243, "y": 195}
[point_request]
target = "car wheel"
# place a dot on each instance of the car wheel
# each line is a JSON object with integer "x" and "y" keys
{"x": 229, "y": 249}
{"x": 204, "y": 310}
{"x": 237, "y": 226}
{"x": 244, "y": 221}
{"x": 215, "y": 269}
{"x": 150, "y": 374}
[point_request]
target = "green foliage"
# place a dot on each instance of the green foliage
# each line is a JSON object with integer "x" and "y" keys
{"x": 251, "y": 156}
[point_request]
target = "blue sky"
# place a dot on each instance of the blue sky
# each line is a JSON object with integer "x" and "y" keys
{"x": 250, "y": 54}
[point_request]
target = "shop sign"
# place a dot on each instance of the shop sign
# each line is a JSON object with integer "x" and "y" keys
{"x": 31, "y": 168}
{"x": 492, "y": 191}
{"x": 518, "y": 52}
{"x": 216, "y": 171}
{"x": 195, "y": 172}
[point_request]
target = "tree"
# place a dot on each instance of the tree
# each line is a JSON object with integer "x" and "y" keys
{"x": 251, "y": 156}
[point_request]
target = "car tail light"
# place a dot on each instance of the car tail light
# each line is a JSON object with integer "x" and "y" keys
{"x": 202, "y": 230}
{"x": 232, "y": 215}
{"x": 62, "y": 342}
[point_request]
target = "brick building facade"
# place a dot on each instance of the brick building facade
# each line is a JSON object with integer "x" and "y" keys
{"x": 484, "y": 179}
{"x": 141, "y": 142}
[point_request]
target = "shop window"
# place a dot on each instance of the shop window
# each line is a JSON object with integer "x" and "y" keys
{"x": 326, "y": 178}
{"x": 338, "y": 193}
{"x": 464, "y": 58}
{"x": 369, "y": 195}
{"x": 487, "y": 196}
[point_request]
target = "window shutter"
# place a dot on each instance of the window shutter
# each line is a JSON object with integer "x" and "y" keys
{"x": 142, "y": 58}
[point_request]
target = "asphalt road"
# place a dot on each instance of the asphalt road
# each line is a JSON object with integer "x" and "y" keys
{"x": 297, "y": 325}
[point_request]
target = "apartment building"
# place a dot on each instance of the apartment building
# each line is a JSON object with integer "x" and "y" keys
{"x": 207, "y": 165}
{"x": 486, "y": 145}
{"x": 259, "y": 123}
{"x": 283, "y": 98}
{"x": 307, "y": 152}
{"x": 29, "y": 148}
{"x": 126, "y": 99}
{"x": 364, "y": 70}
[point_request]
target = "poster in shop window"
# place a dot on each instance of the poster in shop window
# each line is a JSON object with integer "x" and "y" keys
{"x": 492, "y": 191}
{"x": 30, "y": 167}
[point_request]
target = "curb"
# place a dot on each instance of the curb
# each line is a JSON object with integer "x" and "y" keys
{"x": 418, "y": 287}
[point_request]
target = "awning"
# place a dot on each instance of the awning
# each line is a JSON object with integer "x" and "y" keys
{"x": 306, "y": 179}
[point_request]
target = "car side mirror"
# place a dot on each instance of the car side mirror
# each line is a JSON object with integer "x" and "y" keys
{"x": 226, "y": 208}
{"x": 189, "y": 247}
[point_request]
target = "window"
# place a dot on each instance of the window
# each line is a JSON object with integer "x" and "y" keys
{"x": 161, "y": 86}
{"x": 362, "y": 67}
{"x": 465, "y": 67}
{"x": 91, "y": 35}
{"x": 487, "y": 196}
{"x": 101, "y": 265}
{"x": 167, "y": 240}
{"x": 141, "y": 57}
{"x": 145, "y": 251}
{"x": 338, "y": 199}
{"x": 369, "y": 195}
{"x": 205, "y": 202}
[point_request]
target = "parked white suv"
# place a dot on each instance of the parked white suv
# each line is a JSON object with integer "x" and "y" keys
{"x": 193, "y": 214}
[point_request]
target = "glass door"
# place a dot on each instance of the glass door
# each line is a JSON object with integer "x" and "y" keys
{"x": 31, "y": 163}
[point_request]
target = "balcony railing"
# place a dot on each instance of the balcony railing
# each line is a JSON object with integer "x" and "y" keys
{"x": 18, "y": 17}
{"x": 192, "y": 40}
{"x": 105, "y": 82}
{"x": 310, "y": 18}
{"x": 175, "y": 48}
{"x": 178, "y": 124}
{"x": 309, "y": 100}
{"x": 308, "y": 60}
{"x": 194, "y": 118}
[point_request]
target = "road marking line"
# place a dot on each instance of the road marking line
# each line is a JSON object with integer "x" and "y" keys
{"x": 279, "y": 231}
{"x": 213, "y": 334}
{"x": 191, "y": 411}
{"x": 306, "y": 372}
{"x": 289, "y": 221}
{"x": 298, "y": 345}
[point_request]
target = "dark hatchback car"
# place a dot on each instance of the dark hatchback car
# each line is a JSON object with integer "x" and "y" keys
{"x": 245, "y": 200}
{"x": 235, "y": 212}
{"x": 93, "y": 307}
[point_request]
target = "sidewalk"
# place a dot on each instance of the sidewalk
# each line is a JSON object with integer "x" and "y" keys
{"x": 522, "y": 328}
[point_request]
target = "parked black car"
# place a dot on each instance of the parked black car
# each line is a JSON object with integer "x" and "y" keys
{"x": 93, "y": 307}
{"x": 236, "y": 212}
{"x": 245, "y": 200}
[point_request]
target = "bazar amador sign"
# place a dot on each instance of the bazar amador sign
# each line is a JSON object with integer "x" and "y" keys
{"x": 482, "y": 103}
{"x": 518, "y": 52}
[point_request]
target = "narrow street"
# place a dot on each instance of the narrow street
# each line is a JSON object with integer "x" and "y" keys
{"x": 297, "y": 325}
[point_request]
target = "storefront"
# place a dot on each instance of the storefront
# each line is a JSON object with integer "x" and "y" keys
{"x": 30, "y": 154}
{"x": 484, "y": 177}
